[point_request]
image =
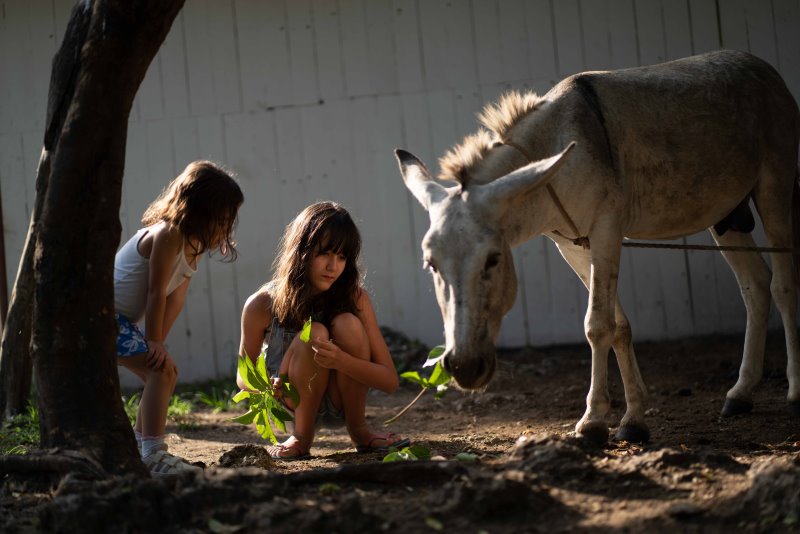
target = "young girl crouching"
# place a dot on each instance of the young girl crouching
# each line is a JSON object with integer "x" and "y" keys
{"x": 316, "y": 275}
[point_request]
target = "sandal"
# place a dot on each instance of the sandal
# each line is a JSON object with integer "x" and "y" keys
{"x": 162, "y": 463}
{"x": 369, "y": 447}
{"x": 299, "y": 454}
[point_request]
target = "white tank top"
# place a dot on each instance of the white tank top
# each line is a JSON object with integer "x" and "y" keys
{"x": 131, "y": 273}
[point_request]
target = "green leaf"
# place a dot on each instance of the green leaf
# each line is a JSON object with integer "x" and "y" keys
{"x": 261, "y": 368}
{"x": 265, "y": 428}
{"x": 241, "y": 396}
{"x": 422, "y": 453}
{"x": 407, "y": 454}
{"x": 395, "y": 456}
{"x": 242, "y": 368}
{"x": 256, "y": 400}
{"x": 413, "y": 376}
{"x": 245, "y": 419}
{"x": 253, "y": 376}
{"x": 305, "y": 333}
{"x": 280, "y": 413}
{"x": 439, "y": 376}
{"x": 467, "y": 457}
{"x": 290, "y": 391}
{"x": 436, "y": 354}
{"x": 280, "y": 425}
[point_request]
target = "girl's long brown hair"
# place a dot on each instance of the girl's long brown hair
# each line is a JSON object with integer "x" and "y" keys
{"x": 202, "y": 202}
{"x": 321, "y": 227}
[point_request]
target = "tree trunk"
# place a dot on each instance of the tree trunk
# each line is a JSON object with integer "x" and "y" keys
{"x": 16, "y": 365}
{"x": 96, "y": 73}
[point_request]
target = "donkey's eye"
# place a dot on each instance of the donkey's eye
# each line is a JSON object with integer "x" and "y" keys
{"x": 491, "y": 261}
{"x": 428, "y": 266}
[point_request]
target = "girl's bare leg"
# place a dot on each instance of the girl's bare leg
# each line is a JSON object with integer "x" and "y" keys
{"x": 311, "y": 381}
{"x": 348, "y": 333}
{"x": 159, "y": 384}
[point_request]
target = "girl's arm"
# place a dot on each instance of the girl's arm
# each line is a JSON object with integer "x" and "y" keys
{"x": 167, "y": 243}
{"x": 256, "y": 316}
{"x": 379, "y": 372}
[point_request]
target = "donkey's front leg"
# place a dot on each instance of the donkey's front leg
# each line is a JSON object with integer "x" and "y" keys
{"x": 599, "y": 326}
{"x": 632, "y": 427}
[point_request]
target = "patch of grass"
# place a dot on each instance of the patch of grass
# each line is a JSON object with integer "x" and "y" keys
{"x": 131, "y": 406}
{"x": 220, "y": 400}
{"x": 20, "y": 433}
{"x": 179, "y": 412}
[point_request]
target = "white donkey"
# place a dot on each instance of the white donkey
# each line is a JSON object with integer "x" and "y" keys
{"x": 654, "y": 152}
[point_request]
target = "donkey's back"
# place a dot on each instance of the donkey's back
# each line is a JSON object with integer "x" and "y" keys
{"x": 695, "y": 133}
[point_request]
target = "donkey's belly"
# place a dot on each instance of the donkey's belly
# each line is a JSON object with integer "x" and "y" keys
{"x": 660, "y": 210}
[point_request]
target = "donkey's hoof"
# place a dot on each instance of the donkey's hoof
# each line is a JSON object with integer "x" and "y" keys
{"x": 794, "y": 408}
{"x": 633, "y": 434}
{"x": 594, "y": 435}
{"x": 736, "y": 407}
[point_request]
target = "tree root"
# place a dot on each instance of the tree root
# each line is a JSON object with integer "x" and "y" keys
{"x": 61, "y": 462}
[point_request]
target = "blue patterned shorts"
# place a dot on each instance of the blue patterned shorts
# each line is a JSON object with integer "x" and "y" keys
{"x": 130, "y": 341}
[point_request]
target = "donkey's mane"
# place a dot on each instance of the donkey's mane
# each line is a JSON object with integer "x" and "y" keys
{"x": 499, "y": 118}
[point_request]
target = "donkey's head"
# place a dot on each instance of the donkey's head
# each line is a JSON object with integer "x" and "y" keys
{"x": 467, "y": 249}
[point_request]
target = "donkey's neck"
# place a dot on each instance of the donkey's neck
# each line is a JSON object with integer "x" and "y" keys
{"x": 528, "y": 216}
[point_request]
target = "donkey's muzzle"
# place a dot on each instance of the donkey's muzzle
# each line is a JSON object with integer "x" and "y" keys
{"x": 470, "y": 372}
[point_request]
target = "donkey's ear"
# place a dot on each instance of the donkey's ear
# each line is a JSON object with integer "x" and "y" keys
{"x": 418, "y": 180}
{"x": 525, "y": 179}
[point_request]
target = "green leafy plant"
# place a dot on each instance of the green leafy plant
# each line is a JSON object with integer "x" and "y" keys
{"x": 406, "y": 454}
{"x": 264, "y": 408}
{"x": 438, "y": 380}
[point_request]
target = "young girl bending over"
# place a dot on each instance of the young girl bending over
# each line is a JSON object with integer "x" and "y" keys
{"x": 316, "y": 275}
{"x": 194, "y": 214}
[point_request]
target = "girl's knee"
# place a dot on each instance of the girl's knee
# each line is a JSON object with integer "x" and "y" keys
{"x": 319, "y": 331}
{"x": 167, "y": 373}
{"x": 347, "y": 326}
{"x": 349, "y": 334}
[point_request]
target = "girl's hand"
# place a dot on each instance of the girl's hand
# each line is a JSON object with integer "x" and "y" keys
{"x": 277, "y": 385}
{"x": 157, "y": 355}
{"x": 326, "y": 353}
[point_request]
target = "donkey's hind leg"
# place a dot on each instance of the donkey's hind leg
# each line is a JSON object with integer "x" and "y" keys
{"x": 753, "y": 277}
{"x": 775, "y": 203}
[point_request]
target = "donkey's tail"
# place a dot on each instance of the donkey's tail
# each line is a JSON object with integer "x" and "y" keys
{"x": 796, "y": 226}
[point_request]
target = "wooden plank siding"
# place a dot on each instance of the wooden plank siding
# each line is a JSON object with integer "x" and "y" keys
{"x": 306, "y": 99}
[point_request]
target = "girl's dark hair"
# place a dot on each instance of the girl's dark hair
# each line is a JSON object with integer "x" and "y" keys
{"x": 321, "y": 227}
{"x": 202, "y": 202}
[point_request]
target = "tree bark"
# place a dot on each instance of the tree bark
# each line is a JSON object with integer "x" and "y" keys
{"x": 96, "y": 73}
{"x": 16, "y": 366}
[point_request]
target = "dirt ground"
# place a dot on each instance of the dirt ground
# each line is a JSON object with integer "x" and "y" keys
{"x": 698, "y": 473}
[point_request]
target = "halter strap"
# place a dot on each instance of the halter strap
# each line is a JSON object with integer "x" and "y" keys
{"x": 582, "y": 241}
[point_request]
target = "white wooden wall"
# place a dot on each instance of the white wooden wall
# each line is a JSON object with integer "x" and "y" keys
{"x": 305, "y": 100}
